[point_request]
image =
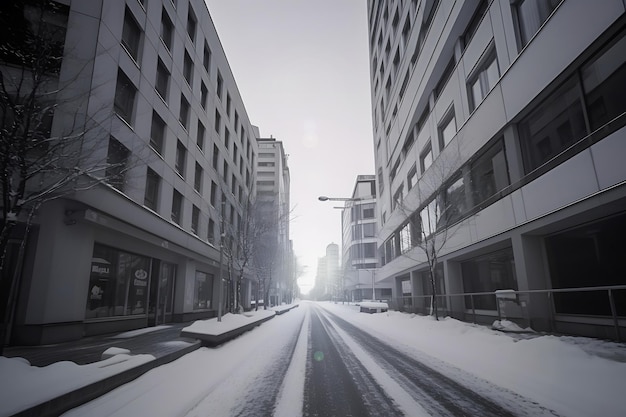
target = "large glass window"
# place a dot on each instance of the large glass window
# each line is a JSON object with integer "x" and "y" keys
{"x": 530, "y": 15}
{"x": 131, "y": 34}
{"x": 188, "y": 68}
{"x": 162, "y": 79}
{"x": 488, "y": 273}
{"x": 125, "y": 92}
{"x": 151, "y": 197}
{"x": 603, "y": 81}
{"x": 157, "y": 133}
{"x": 177, "y": 207}
{"x": 483, "y": 80}
{"x": 589, "y": 256}
{"x": 203, "y": 293}
{"x": 118, "y": 283}
{"x": 553, "y": 126}
{"x": 117, "y": 160}
{"x": 167, "y": 29}
{"x": 488, "y": 174}
{"x": 456, "y": 204}
{"x": 447, "y": 130}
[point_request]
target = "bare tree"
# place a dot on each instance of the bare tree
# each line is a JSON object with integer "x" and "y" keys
{"x": 49, "y": 148}
{"x": 430, "y": 228}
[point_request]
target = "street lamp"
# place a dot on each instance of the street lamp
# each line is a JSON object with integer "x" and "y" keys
{"x": 360, "y": 241}
{"x": 324, "y": 198}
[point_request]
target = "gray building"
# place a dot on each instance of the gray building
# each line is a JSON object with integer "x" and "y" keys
{"x": 359, "y": 260}
{"x": 273, "y": 187}
{"x": 499, "y": 130}
{"x": 153, "y": 81}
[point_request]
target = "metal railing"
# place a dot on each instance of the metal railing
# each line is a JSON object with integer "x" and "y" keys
{"x": 474, "y": 301}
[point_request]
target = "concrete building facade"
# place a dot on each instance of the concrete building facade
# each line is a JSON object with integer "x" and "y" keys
{"x": 359, "y": 260}
{"x": 143, "y": 250}
{"x": 499, "y": 130}
{"x": 273, "y": 185}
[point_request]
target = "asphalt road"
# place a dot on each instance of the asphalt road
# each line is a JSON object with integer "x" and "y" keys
{"x": 338, "y": 383}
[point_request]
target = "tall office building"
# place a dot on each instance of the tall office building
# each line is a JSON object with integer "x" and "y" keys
{"x": 272, "y": 184}
{"x": 499, "y": 130}
{"x": 149, "y": 81}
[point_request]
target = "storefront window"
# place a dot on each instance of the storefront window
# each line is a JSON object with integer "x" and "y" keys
{"x": 118, "y": 283}
{"x": 203, "y": 291}
{"x": 487, "y": 273}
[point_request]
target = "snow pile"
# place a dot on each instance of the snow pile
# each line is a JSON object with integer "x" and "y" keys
{"x": 23, "y": 385}
{"x": 373, "y": 304}
{"x": 509, "y": 326}
{"x": 564, "y": 374}
{"x": 229, "y": 322}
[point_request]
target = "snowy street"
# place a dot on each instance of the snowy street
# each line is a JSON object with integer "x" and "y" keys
{"x": 329, "y": 360}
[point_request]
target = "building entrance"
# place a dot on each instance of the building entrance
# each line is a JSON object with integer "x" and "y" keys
{"x": 161, "y": 292}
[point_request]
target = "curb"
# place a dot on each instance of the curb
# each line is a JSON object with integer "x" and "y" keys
{"x": 59, "y": 405}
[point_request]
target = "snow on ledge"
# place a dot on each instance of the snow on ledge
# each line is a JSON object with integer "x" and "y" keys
{"x": 229, "y": 322}
{"x": 373, "y": 304}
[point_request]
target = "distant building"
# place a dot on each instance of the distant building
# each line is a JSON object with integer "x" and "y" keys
{"x": 501, "y": 124}
{"x": 273, "y": 184}
{"x": 359, "y": 260}
{"x": 143, "y": 250}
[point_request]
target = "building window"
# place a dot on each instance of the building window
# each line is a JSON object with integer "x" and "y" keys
{"x": 216, "y": 156}
{"x": 228, "y": 104}
{"x": 227, "y": 138}
{"x": 219, "y": 84}
{"x": 488, "y": 174}
{"x": 125, "y": 92}
{"x": 487, "y": 273}
{"x": 162, "y": 80}
{"x": 181, "y": 156}
{"x": 589, "y": 256}
{"x": 188, "y": 68}
{"x": 426, "y": 157}
{"x": 447, "y": 130}
{"x": 411, "y": 178}
{"x": 184, "y": 112}
{"x": 455, "y": 201}
{"x": 429, "y": 217}
{"x": 398, "y": 197}
{"x": 211, "y": 231}
{"x": 445, "y": 76}
{"x": 117, "y": 159}
{"x": 151, "y": 196}
{"x": 225, "y": 170}
{"x": 204, "y": 93}
{"x": 191, "y": 24}
{"x": 195, "y": 219}
{"x": 472, "y": 27}
{"x": 118, "y": 283}
{"x": 206, "y": 59}
{"x": 177, "y": 207}
{"x": 157, "y": 133}
{"x": 529, "y": 16}
{"x": 197, "y": 179}
{"x": 367, "y": 211}
{"x": 218, "y": 121}
{"x": 213, "y": 193}
{"x": 200, "y": 136}
{"x": 553, "y": 126}
{"x": 203, "y": 292}
{"x": 483, "y": 80}
{"x": 131, "y": 35}
{"x": 167, "y": 29}
{"x": 603, "y": 79}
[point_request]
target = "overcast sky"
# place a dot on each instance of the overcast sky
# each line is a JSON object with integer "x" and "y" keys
{"x": 302, "y": 69}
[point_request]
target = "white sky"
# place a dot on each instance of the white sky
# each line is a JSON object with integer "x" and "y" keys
{"x": 574, "y": 376}
{"x": 302, "y": 68}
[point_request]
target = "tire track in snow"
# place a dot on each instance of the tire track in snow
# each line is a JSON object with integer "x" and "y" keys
{"x": 337, "y": 383}
{"x": 436, "y": 392}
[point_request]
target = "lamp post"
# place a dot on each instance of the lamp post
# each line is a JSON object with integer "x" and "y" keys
{"x": 351, "y": 199}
